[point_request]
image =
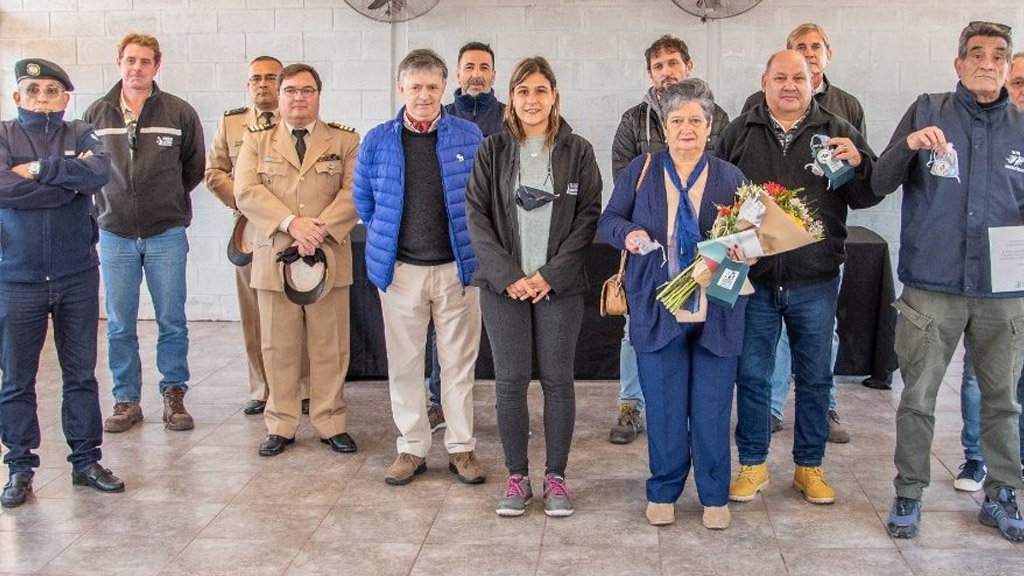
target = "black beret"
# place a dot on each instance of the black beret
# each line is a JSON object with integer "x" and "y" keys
{"x": 39, "y": 68}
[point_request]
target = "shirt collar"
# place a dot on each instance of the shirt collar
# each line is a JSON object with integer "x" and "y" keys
{"x": 308, "y": 127}
{"x": 422, "y": 127}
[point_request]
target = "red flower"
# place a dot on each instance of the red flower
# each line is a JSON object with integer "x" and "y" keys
{"x": 774, "y": 189}
{"x": 724, "y": 210}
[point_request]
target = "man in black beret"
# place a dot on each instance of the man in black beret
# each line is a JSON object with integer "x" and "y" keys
{"x": 49, "y": 171}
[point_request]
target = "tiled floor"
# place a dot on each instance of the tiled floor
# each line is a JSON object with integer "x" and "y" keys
{"x": 203, "y": 502}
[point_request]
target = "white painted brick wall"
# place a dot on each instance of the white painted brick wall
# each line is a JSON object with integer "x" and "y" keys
{"x": 886, "y": 52}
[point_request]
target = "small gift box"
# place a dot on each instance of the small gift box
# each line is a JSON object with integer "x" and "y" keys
{"x": 727, "y": 282}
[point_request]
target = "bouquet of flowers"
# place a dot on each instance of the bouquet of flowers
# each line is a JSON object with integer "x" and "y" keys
{"x": 764, "y": 220}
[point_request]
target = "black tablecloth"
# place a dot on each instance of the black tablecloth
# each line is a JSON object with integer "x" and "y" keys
{"x": 866, "y": 321}
{"x": 597, "y": 355}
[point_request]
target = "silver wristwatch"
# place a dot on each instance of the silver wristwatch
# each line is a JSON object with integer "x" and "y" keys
{"x": 34, "y": 168}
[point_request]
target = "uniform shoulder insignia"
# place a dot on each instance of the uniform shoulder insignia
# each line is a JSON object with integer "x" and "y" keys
{"x": 261, "y": 128}
{"x": 341, "y": 127}
{"x": 236, "y": 111}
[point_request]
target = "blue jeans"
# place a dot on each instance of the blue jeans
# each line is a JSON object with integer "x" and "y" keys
{"x": 123, "y": 261}
{"x": 690, "y": 396}
{"x": 970, "y": 410}
{"x": 434, "y": 384}
{"x": 73, "y": 302}
{"x": 629, "y": 374}
{"x": 784, "y": 369}
{"x": 809, "y": 313}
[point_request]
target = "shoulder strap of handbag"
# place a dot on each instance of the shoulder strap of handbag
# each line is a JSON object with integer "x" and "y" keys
{"x": 622, "y": 260}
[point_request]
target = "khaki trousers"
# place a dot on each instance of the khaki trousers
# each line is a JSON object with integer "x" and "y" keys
{"x": 284, "y": 327}
{"x": 927, "y": 333}
{"x": 416, "y": 295}
{"x": 249, "y": 310}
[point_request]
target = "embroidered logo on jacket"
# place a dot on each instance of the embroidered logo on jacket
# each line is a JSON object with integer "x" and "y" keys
{"x": 164, "y": 141}
{"x": 572, "y": 189}
{"x": 1015, "y": 162}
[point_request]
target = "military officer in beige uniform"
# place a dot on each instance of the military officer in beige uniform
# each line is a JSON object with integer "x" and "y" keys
{"x": 293, "y": 181}
{"x": 220, "y": 164}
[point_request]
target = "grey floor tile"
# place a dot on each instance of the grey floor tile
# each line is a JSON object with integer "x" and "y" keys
{"x": 585, "y": 559}
{"x": 847, "y": 562}
{"x": 59, "y": 515}
{"x": 602, "y": 528}
{"x": 957, "y": 562}
{"x": 750, "y": 525}
{"x": 115, "y": 556}
{"x": 825, "y": 527}
{"x": 475, "y": 559}
{"x": 376, "y": 525}
{"x": 720, "y": 562}
{"x": 255, "y": 521}
{"x": 458, "y": 526}
{"x": 300, "y": 487}
{"x": 26, "y": 552}
{"x": 193, "y": 486}
{"x": 330, "y": 559}
{"x": 230, "y": 557}
{"x": 157, "y": 519}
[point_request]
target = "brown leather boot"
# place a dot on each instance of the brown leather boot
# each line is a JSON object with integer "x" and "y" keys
{"x": 126, "y": 415}
{"x": 175, "y": 415}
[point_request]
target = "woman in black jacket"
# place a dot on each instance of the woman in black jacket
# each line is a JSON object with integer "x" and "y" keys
{"x": 533, "y": 202}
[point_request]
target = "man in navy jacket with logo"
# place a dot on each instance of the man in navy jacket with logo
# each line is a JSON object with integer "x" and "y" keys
{"x": 49, "y": 171}
{"x": 946, "y": 263}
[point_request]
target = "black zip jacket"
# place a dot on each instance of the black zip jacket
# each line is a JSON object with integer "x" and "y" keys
{"x": 750, "y": 143}
{"x": 148, "y": 191}
{"x": 494, "y": 227}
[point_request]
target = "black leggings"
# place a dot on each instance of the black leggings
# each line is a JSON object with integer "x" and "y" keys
{"x": 520, "y": 334}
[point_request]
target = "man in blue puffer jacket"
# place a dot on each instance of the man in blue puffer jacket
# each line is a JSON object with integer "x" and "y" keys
{"x": 410, "y": 191}
{"x": 49, "y": 171}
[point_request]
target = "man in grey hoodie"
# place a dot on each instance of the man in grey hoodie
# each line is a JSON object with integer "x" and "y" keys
{"x": 640, "y": 131}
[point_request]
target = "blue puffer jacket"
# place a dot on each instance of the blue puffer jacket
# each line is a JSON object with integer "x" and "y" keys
{"x": 379, "y": 192}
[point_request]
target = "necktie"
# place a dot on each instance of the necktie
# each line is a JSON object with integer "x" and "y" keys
{"x": 266, "y": 118}
{"x": 300, "y": 142}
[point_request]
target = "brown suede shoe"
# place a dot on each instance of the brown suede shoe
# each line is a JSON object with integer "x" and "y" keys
{"x": 404, "y": 468}
{"x": 175, "y": 415}
{"x": 466, "y": 467}
{"x": 126, "y": 415}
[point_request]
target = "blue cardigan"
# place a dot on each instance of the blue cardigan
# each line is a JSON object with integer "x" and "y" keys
{"x": 651, "y": 326}
{"x": 378, "y": 191}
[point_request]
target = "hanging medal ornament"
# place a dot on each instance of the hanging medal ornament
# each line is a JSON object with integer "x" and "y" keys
{"x": 838, "y": 172}
{"x": 645, "y": 247}
{"x": 945, "y": 164}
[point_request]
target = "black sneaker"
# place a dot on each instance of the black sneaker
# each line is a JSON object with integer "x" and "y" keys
{"x": 971, "y": 477}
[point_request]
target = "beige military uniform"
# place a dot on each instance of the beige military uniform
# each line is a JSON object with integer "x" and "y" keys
{"x": 270, "y": 185}
{"x": 220, "y": 166}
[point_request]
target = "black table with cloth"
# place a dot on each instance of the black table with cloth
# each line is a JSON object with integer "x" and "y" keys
{"x": 865, "y": 328}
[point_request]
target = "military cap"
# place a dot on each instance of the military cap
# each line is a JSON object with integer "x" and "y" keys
{"x": 39, "y": 68}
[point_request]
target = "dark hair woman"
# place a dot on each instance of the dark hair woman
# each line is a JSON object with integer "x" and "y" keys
{"x": 533, "y": 203}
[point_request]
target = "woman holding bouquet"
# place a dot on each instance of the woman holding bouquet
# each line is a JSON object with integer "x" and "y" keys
{"x": 533, "y": 202}
{"x": 687, "y": 360}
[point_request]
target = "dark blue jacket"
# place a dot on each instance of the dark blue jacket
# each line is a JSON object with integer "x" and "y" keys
{"x": 651, "y": 326}
{"x": 46, "y": 228}
{"x": 484, "y": 110}
{"x": 378, "y": 191}
{"x": 944, "y": 236}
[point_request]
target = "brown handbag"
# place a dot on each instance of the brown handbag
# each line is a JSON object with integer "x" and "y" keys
{"x": 613, "y": 292}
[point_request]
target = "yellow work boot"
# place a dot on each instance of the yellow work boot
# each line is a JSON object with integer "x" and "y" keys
{"x": 748, "y": 483}
{"x": 810, "y": 480}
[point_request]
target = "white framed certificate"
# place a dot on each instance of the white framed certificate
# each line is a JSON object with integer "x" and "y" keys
{"x": 1006, "y": 258}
